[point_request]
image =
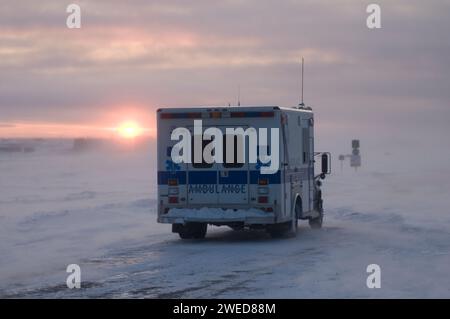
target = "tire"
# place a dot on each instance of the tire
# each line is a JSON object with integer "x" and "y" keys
{"x": 293, "y": 229}
{"x": 200, "y": 231}
{"x": 277, "y": 233}
{"x": 316, "y": 223}
{"x": 193, "y": 231}
{"x": 279, "y": 230}
{"x": 293, "y": 225}
{"x": 184, "y": 235}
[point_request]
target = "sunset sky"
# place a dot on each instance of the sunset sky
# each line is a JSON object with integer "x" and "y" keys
{"x": 131, "y": 57}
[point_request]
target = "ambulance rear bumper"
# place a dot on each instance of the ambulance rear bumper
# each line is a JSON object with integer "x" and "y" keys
{"x": 217, "y": 216}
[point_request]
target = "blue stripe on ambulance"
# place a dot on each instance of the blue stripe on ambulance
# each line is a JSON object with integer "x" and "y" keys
{"x": 203, "y": 177}
{"x": 234, "y": 177}
{"x": 210, "y": 177}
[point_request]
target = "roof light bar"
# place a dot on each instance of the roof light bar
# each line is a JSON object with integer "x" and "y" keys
{"x": 190, "y": 115}
{"x": 216, "y": 114}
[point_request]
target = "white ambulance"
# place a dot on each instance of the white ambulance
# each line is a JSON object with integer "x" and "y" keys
{"x": 238, "y": 193}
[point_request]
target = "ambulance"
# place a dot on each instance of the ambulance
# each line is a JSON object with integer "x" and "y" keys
{"x": 270, "y": 193}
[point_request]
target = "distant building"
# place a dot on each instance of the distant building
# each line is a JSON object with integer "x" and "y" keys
{"x": 15, "y": 147}
{"x": 86, "y": 144}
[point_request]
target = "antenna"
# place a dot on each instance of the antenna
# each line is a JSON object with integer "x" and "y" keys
{"x": 239, "y": 95}
{"x": 302, "y": 104}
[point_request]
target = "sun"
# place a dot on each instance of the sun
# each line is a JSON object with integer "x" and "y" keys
{"x": 129, "y": 129}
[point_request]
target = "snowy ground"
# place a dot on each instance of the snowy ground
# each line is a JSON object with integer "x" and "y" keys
{"x": 98, "y": 210}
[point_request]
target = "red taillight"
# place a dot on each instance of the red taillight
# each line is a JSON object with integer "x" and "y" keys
{"x": 263, "y": 181}
{"x": 263, "y": 199}
{"x": 173, "y": 200}
{"x": 266, "y": 114}
{"x": 172, "y": 182}
{"x": 237, "y": 114}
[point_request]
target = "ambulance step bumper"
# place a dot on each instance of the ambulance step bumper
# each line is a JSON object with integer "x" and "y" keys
{"x": 217, "y": 215}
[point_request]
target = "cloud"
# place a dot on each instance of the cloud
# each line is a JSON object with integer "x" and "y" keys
{"x": 159, "y": 53}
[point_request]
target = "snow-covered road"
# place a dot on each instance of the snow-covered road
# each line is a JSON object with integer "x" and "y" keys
{"x": 98, "y": 210}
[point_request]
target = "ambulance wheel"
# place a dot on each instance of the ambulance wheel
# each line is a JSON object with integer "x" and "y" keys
{"x": 297, "y": 214}
{"x": 184, "y": 235}
{"x": 200, "y": 231}
{"x": 276, "y": 232}
{"x": 294, "y": 227}
{"x": 316, "y": 223}
{"x": 193, "y": 231}
{"x": 279, "y": 230}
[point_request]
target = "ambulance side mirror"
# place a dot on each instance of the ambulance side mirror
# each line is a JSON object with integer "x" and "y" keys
{"x": 326, "y": 158}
